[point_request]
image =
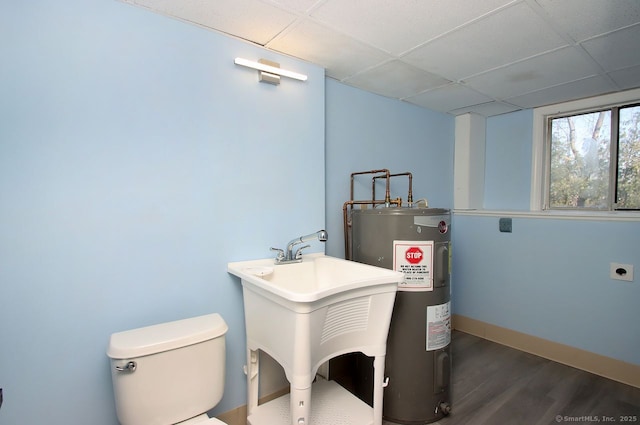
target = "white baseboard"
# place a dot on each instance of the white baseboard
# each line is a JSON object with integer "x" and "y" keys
{"x": 618, "y": 370}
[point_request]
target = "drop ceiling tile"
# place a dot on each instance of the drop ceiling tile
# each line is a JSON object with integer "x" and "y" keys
{"x": 251, "y": 20}
{"x": 299, "y": 6}
{"x": 448, "y": 98}
{"x": 487, "y": 109}
{"x": 340, "y": 55}
{"x": 551, "y": 69}
{"x": 483, "y": 45}
{"x": 627, "y": 78}
{"x": 583, "y": 19}
{"x": 519, "y": 50}
{"x": 396, "y": 79}
{"x": 586, "y": 87}
{"x": 399, "y": 25}
{"x": 608, "y": 50}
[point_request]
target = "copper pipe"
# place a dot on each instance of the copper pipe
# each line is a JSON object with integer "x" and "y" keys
{"x": 387, "y": 201}
{"x": 387, "y": 196}
{"x": 409, "y": 196}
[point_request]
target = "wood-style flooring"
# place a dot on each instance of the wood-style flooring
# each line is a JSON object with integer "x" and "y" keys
{"x": 496, "y": 385}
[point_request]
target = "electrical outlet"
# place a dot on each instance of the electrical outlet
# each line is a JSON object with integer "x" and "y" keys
{"x": 621, "y": 271}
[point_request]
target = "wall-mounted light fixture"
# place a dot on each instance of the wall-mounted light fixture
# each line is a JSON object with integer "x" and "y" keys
{"x": 270, "y": 72}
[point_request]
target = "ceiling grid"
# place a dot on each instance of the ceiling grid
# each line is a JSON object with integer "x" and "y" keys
{"x": 484, "y": 56}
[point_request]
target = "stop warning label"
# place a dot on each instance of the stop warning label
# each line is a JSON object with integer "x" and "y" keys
{"x": 415, "y": 260}
{"x": 414, "y": 255}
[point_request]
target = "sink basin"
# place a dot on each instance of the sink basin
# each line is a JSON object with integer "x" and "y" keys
{"x": 318, "y": 276}
{"x": 303, "y": 314}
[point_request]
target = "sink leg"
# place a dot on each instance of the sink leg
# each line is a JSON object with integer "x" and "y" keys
{"x": 253, "y": 369}
{"x": 300, "y": 405}
{"x": 378, "y": 388}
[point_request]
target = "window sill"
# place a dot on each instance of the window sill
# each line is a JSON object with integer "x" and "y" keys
{"x": 556, "y": 215}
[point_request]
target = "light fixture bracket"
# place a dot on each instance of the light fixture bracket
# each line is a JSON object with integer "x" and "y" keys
{"x": 268, "y": 77}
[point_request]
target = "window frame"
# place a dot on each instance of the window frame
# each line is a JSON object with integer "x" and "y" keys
{"x": 540, "y": 169}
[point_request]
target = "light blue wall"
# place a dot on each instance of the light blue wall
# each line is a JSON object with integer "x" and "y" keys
{"x": 550, "y": 277}
{"x": 508, "y": 161}
{"x": 367, "y": 132}
{"x": 136, "y": 160}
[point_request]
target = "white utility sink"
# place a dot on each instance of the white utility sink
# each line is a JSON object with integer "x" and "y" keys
{"x": 318, "y": 276}
{"x": 303, "y": 314}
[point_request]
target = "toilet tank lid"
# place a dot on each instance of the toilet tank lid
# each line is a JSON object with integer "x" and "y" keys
{"x": 165, "y": 336}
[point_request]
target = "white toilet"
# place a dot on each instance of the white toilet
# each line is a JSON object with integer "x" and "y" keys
{"x": 171, "y": 373}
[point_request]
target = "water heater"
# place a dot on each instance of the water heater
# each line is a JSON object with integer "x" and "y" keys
{"x": 415, "y": 241}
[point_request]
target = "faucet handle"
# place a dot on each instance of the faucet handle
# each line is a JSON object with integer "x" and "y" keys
{"x": 299, "y": 251}
{"x": 280, "y": 255}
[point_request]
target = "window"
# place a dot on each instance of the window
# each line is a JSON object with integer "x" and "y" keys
{"x": 588, "y": 156}
{"x": 628, "y": 169}
{"x": 594, "y": 159}
{"x": 580, "y": 149}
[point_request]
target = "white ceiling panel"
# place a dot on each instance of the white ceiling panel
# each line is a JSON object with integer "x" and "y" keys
{"x": 582, "y": 19}
{"x": 482, "y": 45}
{"x": 396, "y": 79}
{"x": 586, "y": 87}
{"x": 529, "y": 52}
{"x": 627, "y": 78}
{"x": 298, "y": 6}
{"x": 551, "y": 69}
{"x": 487, "y": 109}
{"x": 607, "y": 52}
{"x": 248, "y": 19}
{"x": 449, "y": 98}
{"x": 369, "y": 20}
{"x": 340, "y": 55}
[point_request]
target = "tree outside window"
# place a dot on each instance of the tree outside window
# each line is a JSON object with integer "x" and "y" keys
{"x": 628, "y": 173}
{"x": 594, "y": 164}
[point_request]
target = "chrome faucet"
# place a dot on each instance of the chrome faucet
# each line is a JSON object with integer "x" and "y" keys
{"x": 289, "y": 257}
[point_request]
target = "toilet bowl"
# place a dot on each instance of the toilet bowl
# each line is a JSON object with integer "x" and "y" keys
{"x": 170, "y": 373}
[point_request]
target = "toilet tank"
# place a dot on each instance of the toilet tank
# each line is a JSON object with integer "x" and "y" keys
{"x": 168, "y": 373}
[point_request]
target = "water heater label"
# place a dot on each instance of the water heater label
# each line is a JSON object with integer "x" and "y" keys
{"x": 438, "y": 326}
{"x": 415, "y": 260}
